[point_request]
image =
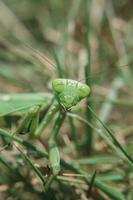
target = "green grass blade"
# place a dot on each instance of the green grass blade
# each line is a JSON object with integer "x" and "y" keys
{"x": 89, "y": 130}
{"x": 91, "y": 184}
{"x": 115, "y": 141}
{"x": 59, "y": 68}
{"x": 97, "y": 160}
{"x": 34, "y": 168}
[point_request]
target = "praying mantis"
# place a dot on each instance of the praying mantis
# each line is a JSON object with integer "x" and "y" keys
{"x": 67, "y": 93}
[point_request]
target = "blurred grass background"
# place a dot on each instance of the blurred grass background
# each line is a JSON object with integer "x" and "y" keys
{"x": 75, "y": 33}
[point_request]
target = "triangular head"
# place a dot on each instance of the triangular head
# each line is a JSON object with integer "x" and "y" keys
{"x": 69, "y": 92}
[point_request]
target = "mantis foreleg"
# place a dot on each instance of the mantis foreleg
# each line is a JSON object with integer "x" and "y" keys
{"x": 54, "y": 156}
{"x": 52, "y": 110}
{"x": 29, "y": 122}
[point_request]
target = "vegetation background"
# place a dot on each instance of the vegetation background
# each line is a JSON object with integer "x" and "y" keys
{"x": 90, "y": 35}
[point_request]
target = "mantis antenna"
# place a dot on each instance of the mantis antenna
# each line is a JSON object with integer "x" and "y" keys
{"x": 42, "y": 57}
{"x": 97, "y": 73}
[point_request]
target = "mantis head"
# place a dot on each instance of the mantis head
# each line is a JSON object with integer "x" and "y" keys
{"x": 69, "y": 92}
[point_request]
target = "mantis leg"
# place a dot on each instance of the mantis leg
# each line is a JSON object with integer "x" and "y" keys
{"x": 54, "y": 156}
{"x": 52, "y": 110}
{"x": 30, "y": 122}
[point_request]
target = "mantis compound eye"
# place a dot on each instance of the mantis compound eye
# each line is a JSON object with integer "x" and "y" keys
{"x": 58, "y": 85}
{"x": 83, "y": 90}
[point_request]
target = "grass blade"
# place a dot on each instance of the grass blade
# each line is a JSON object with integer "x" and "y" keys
{"x": 115, "y": 141}
{"x": 34, "y": 168}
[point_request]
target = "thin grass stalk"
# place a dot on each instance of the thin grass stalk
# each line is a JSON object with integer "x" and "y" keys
{"x": 89, "y": 130}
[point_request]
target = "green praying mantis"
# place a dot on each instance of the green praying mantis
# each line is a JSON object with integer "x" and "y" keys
{"x": 67, "y": 93}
